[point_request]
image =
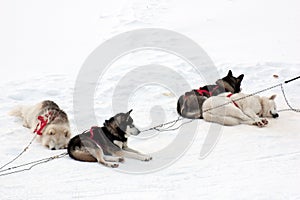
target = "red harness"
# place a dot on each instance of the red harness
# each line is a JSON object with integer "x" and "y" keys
{"x": 92, "y": 132}
{"x": 201, "y": 91}
{"x": 43, "y": 121}
{"x": 229, "y": 95}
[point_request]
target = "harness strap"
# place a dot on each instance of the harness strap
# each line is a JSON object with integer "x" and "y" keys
{"x": 229, "y": 95}
{"x": 201, "y": 91}
{"x": 92, "y": 132}
{"x": 43, "y": 122}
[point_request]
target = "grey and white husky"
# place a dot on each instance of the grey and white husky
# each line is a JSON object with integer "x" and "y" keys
{"x": 107, "y": 144}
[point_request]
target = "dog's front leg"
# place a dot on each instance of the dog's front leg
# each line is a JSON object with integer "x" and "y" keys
{"x": 133, "y": 155}
{"x": 256, "y": 120}
{"x": 130, "y": 150}
{"x": 126, "y": 148}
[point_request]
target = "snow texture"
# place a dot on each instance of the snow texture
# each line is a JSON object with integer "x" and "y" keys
{"x": 44, "y": 45}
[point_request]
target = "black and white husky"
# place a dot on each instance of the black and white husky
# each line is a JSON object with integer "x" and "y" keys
{"x": 189, "y": 105}
{"x": 107, "y": 144}
{"x": 252, "y": 110}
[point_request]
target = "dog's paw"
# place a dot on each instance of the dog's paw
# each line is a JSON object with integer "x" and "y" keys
{"x": 114, "y": 165}
{"x": 109, "y": 164}
{"x": 260, "y": 124}
{"x": 147, "y": 158}
{"x": 265, "y": 121}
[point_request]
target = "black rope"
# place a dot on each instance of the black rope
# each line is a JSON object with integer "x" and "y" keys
{"x": 291, "y": 79}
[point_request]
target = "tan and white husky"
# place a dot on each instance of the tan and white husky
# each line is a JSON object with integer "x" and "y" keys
{"x": 48, "y": 121}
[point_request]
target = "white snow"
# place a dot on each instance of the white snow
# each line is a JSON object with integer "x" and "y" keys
{"x": 44, "y": 44}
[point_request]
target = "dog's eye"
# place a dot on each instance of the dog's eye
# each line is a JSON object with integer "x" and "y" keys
{"x": 66, "y": 133}
{"x": 51, "y": 133}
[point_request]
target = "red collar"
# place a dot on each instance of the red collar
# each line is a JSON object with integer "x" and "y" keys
{"x": 229, "y": 95}
{"x": 44, "y": 120}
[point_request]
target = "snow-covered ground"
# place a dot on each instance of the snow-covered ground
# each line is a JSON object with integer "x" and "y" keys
{"x": 44, "y": 44}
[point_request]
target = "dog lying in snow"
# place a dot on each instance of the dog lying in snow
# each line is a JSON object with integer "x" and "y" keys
{"x": 107, "y": 144}
{"x": 251, "y": 110}
{"x": 48, "y": 121}
{"x": 190, "y": 104}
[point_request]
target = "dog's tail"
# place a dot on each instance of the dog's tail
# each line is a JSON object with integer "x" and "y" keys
{"x": 180, "y": 105}
{"x": 17, "y": 111}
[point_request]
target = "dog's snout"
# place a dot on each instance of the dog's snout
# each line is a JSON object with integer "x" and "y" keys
{"x": 53, "y": 148}
{"x": 275, "y": 115}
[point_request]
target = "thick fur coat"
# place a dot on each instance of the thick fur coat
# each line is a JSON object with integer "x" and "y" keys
{"x": 239, "y": 108}
{"x": 107, "y": 144}
{"x": 55, "y": 134}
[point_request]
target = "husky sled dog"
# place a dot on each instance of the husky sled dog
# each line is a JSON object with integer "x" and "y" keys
{"x": 107, "y": 144}
{"x": 252, "y": 110}
{"x": 190, "y": 104}
{"x": 48, "y": 121}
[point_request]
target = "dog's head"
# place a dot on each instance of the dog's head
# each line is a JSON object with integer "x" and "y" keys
{"x": 121, "y": 125}
{"x": 269, "y": 107}
{"x": 56, "y": 136}
{"x": 230, "y": 83}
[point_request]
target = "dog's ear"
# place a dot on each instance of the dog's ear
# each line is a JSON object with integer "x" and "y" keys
{"x": 229, "y": 73}
{"x": 51, "y": 132}
{"x": 128, "y": 113}
{"x": 273, "y": 97}
{"x": 106, "y": 123}
{"x": 240, "y": 78}
{"x": 66, "y": 132}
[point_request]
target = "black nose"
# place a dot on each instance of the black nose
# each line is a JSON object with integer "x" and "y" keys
{"x": 275, "y": 115}
{"x": 53, "y": 148}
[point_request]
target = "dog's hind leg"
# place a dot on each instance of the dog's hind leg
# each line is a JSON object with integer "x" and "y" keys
{"x": 113, "y": 158}
{"x": 191, "y": 115}
{"x": 235, "y": 112}
{"x": 98, "y": 154}
{"x": 25, "y": 124}
{"x": 224, "y": 120}
{"x": 96, "y": 151}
